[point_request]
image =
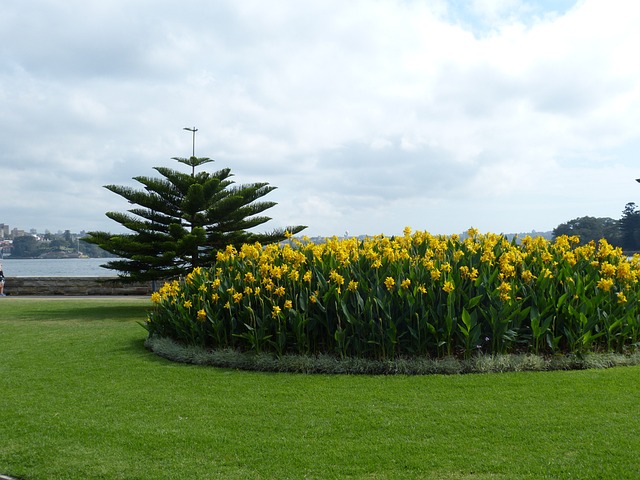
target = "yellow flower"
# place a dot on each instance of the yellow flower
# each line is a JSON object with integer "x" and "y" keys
{"x": 448, "y": 286}
{"x": 288, "y": 304}
{"x": 237, "y": 297}
{"x": 156, "y": 297}
{"x": 406, "y": 283}
{"x": 504, "y": 288}
{"x": 275, "y": 312}
{"x": 422, "y": 289}
{"x": 307, "y": 276}
{"x": 188, "y": 304}
{"x": 607, "y": 270}
{"x": 227, "y": 306}
{"x": 336, "y": 277}
{"x": 435, "y": 274}
{"x": 215, "y": 297}
{"x": 605, "y": 284}
{"x": 570, "y": 258}
{"x": 280, "y": 291}
{"x": 527, "y": 276}
{"x": 202, "y": 315}
{"x": 624, "y": 271}
{"x": 249, "y": 278}
{"x": 293, "y": 275}
{"x": 353, "y": 286}
{"x": 276, "y": 271}
{"x": 621, "y": 298}
{"x": 488, "y": 256}
{"x": 389, "y": 283}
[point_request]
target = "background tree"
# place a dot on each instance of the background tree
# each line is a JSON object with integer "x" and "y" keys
{"x": 183, "y": 220}
{"x": 630, "y": 228}
{"x": 590, "y": 228}
{"x": 25, "y": 247}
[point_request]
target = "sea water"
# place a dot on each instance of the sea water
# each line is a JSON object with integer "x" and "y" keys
{"x": 56, "y": 267}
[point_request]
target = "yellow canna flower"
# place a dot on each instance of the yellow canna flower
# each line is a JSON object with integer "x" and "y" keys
{"x": 389, "y": 282}
{"x": 448, "y": 286}
{"x": 435, "y": 274}
{"x": 527, "y": 276}
{"x": 605, "y": 284}
{"x": 504, "y": 288}
{"x": 607, "y": 270}
{"x": 474, "y": 273}
{"x": 336, "y": 277}
{"x": 621, "y": 298}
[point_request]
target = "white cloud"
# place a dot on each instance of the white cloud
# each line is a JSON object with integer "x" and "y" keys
{"x": 367, "y": 116}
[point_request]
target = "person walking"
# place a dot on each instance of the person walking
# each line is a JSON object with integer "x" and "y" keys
{"x": 1, "y": 282}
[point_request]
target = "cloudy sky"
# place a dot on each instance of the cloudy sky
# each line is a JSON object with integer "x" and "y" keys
{"x": 368, "y": 115}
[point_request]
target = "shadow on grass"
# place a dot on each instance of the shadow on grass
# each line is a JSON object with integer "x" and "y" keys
{"x": 79, "y": 310}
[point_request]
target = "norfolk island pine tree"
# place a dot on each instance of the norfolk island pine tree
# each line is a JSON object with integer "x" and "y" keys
{"x": 181, "y": 220}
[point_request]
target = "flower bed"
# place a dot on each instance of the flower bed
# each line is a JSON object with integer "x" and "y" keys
{"x": 415, "y": 295}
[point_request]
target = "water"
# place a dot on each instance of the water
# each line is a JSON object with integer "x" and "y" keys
{"x": 56, "y": 267}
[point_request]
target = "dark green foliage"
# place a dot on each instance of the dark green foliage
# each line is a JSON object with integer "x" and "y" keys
{"x": 25, "y": 247}
{"x": 182, "y": 220}
{"x": 590, "y": 228}
{"x": 630, "y": 228}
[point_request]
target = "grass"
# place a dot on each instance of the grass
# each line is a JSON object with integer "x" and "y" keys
{"x": 81, "y": 398}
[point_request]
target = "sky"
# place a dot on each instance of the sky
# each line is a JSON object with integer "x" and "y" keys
{"x": 368, "y": 115}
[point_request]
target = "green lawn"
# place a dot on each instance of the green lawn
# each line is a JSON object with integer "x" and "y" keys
{"x": 81, "y": 398}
